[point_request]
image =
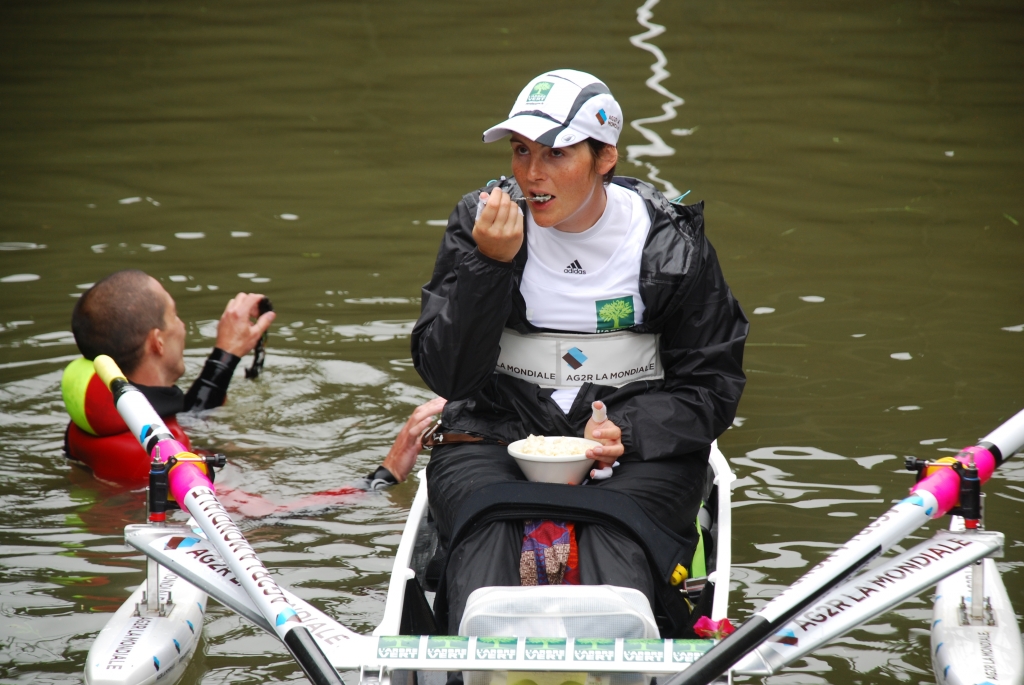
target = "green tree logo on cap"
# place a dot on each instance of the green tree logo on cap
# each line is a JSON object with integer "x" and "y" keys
{"x": 540, "y": 92}
{"x": 615, "y": 314}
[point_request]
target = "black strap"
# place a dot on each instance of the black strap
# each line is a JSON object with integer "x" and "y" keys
{"x": 994, "y": 449}
{"x": 526, "y": 500}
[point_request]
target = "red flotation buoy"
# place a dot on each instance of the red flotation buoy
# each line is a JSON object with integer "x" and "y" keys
{"x": 97, "y": 436}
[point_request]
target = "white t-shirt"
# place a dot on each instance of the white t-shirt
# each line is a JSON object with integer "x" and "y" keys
{"x": 587, "y": 282}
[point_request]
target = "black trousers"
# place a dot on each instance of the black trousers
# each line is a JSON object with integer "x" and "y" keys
{"x": 669, "y": 491}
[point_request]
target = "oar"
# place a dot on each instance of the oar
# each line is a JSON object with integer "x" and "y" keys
{"x": 193, "y": 490}
{"x": 932, "y": 497}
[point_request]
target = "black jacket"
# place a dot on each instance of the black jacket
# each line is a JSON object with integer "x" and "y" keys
{"x": 471, "y": 298}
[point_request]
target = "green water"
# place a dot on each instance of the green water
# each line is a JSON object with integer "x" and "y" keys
{"x": 866, "y": 153}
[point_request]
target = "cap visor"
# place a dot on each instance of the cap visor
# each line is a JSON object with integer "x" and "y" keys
{"x": 525, "y": 125}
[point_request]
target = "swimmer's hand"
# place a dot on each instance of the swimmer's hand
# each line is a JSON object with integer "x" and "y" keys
{"x": 499, "y": 230}
{"x": 402, "y": 456}
{"x": 236, "y": 333}
{"x": 608, "y": 434}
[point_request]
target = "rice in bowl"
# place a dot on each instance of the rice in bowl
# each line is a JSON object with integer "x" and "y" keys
{"x": 558, "y": 446}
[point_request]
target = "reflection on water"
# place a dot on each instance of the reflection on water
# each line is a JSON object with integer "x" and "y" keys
{"x": 310, "y": 151}
{"x": 656, "y": 146}
{"x": 770, "y": 483}
{"x": 19, "y": 278}
{"x": 380, "y": 300}
{"x": 16, "y": 246}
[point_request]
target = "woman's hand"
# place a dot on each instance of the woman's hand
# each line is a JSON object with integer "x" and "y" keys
{"x": 610, "y": 437}
{"x": 499, "y": 230}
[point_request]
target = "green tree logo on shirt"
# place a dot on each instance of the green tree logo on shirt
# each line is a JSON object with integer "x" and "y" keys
{"x": 615, "y": 314}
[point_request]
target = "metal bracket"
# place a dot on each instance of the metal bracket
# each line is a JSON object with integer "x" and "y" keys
{"x": 366, "y": 677}
{"x": 151, "y": 604}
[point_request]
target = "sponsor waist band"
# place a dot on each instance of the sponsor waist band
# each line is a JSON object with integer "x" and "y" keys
{"x": 567, "y": 360}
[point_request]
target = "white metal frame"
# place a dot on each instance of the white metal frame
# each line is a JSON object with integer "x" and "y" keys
{"x": 401, "y": 572}
{"x": 724, "y": 478}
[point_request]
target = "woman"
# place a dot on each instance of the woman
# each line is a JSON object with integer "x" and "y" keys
{"x": 569, "y": 287}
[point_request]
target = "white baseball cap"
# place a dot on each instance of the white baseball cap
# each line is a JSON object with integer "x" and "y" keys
{"x": 561, "y": 108}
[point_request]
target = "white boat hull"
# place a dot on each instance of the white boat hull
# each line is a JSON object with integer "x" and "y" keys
{"x": 134, "y": 649}
{"x": 970, "y": 654}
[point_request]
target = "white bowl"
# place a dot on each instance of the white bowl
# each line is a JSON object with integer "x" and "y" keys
{"x": 571, "y": 469}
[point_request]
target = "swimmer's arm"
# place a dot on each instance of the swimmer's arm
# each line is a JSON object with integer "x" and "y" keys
{"x": 407, "y": 446}
{"x": 211, "y": 388}
{"x": 402, "y": 456}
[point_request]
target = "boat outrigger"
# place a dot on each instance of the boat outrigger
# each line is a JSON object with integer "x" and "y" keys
{"x": 585, "y": 635}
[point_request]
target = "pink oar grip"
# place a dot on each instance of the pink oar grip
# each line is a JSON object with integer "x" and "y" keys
{"x": 165, "y": 449}
{"x": 984, "y": 461}
{"x": 944, "y": 484}
{"x": 184, "y": 476}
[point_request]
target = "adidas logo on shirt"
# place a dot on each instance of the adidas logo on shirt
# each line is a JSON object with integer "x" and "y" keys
{"x": 574, "y": 268}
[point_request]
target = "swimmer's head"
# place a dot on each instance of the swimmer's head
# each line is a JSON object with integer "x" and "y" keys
{"x": 116, "y": 315}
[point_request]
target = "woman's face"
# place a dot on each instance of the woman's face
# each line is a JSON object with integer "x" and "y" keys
{"x": 569, "y": 175}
